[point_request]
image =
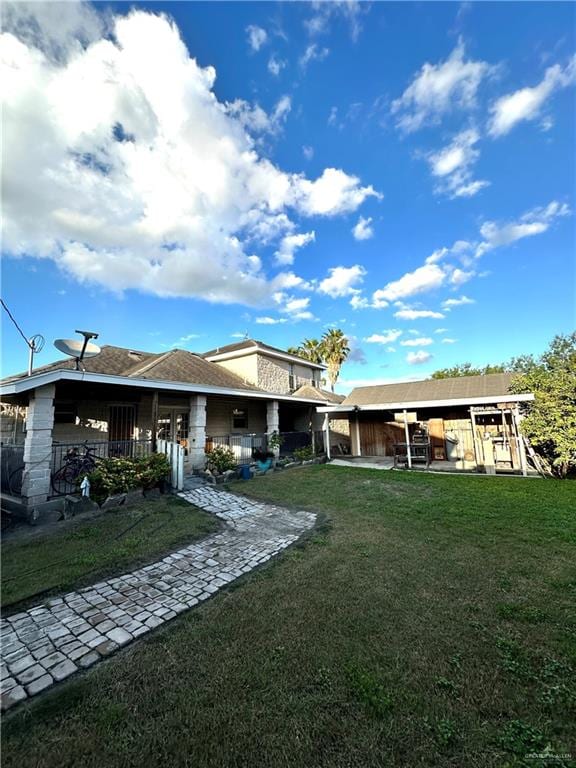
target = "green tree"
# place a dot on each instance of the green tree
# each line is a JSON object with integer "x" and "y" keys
{"x": 335, "y": 350}
{"x": 312, "y": 350}
{"x": 550, "y": 421}
{"x": 467, "y": 369}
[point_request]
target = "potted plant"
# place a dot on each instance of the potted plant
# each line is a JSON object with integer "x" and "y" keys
{"x": 263, "y": 459}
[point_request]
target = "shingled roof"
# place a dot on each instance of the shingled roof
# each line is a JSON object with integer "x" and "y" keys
{"x": 318, "y": 394}
{"x": 491, "y": 385}
{"x": 253, "y": 345}
{"x": 175, "y": 365}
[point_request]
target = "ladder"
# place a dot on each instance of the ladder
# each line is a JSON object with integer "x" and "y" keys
{"x": 535, "y": 459}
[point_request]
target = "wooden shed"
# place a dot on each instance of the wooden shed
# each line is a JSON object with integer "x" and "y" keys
{"x": 467, "y": 423}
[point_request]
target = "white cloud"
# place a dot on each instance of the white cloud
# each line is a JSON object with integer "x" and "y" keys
{"x": 270, "y": 320}
{"x": 313, "y": 53}
{"x": 342, "y": 281}
{"x": 423, "y": 279}
{"x": 418, "y": 358}
{"x": 453, "y": 166}
{"x": 324, "y": 12}
{"x": 332, "y": 193}
{"x": 386, "y": 337}
{"x": 416, "y": 314}
{"x": 363, "y": 229}
{"x": 460, "y": 276}
{"x": 533, "y": 222}
{"x": 449, "y": 341}
{"x": 421, "y": 341}
{"x": 449, "y": 303}
{"x": 290, "y": 243}
{"x": 438, "y": 89}
{"x": 290, "y": 280}
{"x": 257, "y": 37}
{"x": 126, "y": 170}
{"x": 256, "y": 120}
{"x": 359, "y": 302}
{"x": 527, "y": 103}
{"x": 276, "y": 65}
{"x": 308, "y": 152}
{"x": 58, "y": 33}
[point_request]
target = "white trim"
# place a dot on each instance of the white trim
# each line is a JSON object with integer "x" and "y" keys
{"x": 252, "y": 350}
{"x": 506, "y": 398}
{"x": 40, "y": 379}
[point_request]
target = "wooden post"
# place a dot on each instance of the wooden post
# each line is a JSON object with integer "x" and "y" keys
{"x": 407, "y": 437}
{"x": 154, "y": 421}
{"x": 474, "y": 436}
{"x": 519, "y": 440}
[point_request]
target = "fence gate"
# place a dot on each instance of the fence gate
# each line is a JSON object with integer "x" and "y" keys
{"x": 174, "y": 452}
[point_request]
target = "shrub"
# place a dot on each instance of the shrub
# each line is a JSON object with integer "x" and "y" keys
{"x": 275, "y": 441}
{"x": 259, "y": 455}
{"x": 220, "y": 459}
{"x": 304, "y": 454}
{"x": 119, "y": 474}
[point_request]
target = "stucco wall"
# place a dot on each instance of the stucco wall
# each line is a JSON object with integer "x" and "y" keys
{"x": 246, "y": 367}
{"x": 219, "y": 415}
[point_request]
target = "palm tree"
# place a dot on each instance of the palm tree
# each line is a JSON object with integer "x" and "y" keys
{"x": 335, "y": 350}
{"x": 312, "y": 350}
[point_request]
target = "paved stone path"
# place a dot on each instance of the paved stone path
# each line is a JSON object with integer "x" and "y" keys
{"x": 50, "y": 642}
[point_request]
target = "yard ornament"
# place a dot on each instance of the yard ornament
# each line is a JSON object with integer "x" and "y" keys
{"x": 85, "y": 486}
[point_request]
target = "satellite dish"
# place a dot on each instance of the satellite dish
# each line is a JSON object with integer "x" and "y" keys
{"x": 79, "y": 349}
{"x": 73, "y": 347}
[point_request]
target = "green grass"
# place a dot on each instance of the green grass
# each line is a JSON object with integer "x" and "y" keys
{"x": 429, "y": 621}
{"x": 92, "y": 549}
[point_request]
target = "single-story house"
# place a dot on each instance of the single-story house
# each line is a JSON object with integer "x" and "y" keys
{"x": 124, "y": 400}
{"x": 468, "y": 422}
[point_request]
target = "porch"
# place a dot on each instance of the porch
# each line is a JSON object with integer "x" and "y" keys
{"x": 66, "y": 423}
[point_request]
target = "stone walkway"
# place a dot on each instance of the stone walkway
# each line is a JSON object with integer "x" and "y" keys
{"x": 50, "y": 642}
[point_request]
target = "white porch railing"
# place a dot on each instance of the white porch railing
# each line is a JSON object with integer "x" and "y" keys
{"x": 174, "y": 452}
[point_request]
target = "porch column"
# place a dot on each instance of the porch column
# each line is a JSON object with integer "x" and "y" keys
{"x": 38, "y": 446}
{"x": 197, "y": 431}
{"x": 272, "y": 420}
{"x": 327, "y": 437}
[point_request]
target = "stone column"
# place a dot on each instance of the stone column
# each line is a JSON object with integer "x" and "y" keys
{"x": 272, "y": 420}
{"x": 197, "y": 432}
{"x": 38, "y": 446}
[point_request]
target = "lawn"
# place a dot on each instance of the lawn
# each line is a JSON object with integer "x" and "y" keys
{"x": 88, "y": 550}
{"x": 429, "y": 621}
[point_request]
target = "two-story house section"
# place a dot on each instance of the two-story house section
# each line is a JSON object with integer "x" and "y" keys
{"x": 266, "y": 367}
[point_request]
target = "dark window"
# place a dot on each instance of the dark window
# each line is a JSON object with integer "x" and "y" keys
{"x": 65, "y": 413}
{"x": 239, "y": 419}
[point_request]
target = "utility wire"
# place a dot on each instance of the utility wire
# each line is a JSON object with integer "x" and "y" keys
{"x": 11, "y": 316}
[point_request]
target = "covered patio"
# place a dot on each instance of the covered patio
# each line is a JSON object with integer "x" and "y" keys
{"x": 469, "y": 425}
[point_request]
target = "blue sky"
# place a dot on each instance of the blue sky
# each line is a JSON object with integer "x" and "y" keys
{"x": 180, "y": 174}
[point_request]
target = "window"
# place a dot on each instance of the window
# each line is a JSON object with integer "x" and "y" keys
{"x": 239, "y": 418}
{"x": 65, "y": 413}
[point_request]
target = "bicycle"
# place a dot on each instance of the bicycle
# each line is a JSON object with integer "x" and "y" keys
{"x": 64, "y": 479}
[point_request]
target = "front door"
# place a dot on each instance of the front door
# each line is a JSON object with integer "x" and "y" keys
{"x": 173, "y": 426}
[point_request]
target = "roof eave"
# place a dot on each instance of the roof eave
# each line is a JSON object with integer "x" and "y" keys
{"x": 38, "y": 380}
{"x": 485, "y": 400}
{"x": 216, "y": 357}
